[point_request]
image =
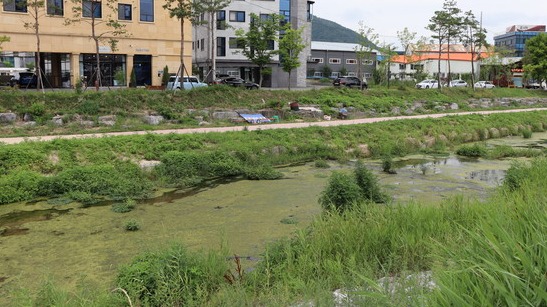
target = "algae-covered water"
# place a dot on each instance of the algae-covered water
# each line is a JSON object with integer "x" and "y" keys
{"x": 69, "y": 243}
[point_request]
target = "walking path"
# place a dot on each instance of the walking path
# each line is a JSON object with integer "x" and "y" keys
{"x": 16, "y": 140}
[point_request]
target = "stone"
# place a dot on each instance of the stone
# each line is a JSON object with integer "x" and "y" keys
{"x": 454, "y": 106}
{"x": 225, "y": 115}
{"x": 152, "y": 119}
{"x": 7, "y": 118}
{"x": 57, "y": 120}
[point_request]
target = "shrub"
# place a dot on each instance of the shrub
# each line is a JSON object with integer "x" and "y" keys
{"x": 341, "y": 192}
{"x": 368, "y": 183}
{"x": 476, "y": 150}
{"x": 526, "y": 133}
{"x": 322, "y": 164}
{"x": 262, "y": 172}
{"x": 387, "y": 165}
{"x": 173, "y": 277}
{"x": 132, "y": 225}
{"x": 124, "y": 207}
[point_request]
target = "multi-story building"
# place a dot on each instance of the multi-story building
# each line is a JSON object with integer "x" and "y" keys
{"x": 68, "y": 52}
{"x": 229, "y": 59}
{"x": 515, "y": 37}
{"x": 338, "y": 59}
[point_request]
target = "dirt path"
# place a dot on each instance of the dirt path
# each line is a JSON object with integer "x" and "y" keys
{"x": 16, "y": 140}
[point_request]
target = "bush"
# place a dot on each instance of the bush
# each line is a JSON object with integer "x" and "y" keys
{"x": 526, "y": 133}
{"x": 341, "y": 192}
{"x": 173, "y": 277}
{"x": 124, "y": 207}
{"x": 132, "y": 225}
{"x": 476, "y": 150}
{"x": 262, "y": 172}
{"x": 368, "y": 183}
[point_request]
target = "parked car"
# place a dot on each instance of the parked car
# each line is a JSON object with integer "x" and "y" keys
{"x": 350, "y": 81}
{"x": 533, "y": 84}
{"x": 188, "y": 83}
{"x": 428, "y": 83}
{"x": 24, "y": 80}
{"x": 238, "y": 82}
{"x": 458, "y": 83}
{"x": 484, "y": 84}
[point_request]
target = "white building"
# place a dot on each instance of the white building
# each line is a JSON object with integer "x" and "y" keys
{"x": 229, "y": 58}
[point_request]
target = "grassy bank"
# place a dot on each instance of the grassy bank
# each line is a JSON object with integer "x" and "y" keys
{"x": 108, "y": 167}
{"x": 80, "y": 112}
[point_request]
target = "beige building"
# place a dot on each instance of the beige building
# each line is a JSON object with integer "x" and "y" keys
{"x": 68, "y": 51}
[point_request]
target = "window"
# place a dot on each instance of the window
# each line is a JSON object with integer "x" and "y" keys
{"x": 265, "y": 17}
{"x": 234, "y": 43}
{"x": 147, "y": 10}
{"x": 124, "y": 11}
{"x": 351, "y": 74}
{"x": 402, "y": 66}
{"x": 233, "y": 73}
{"x": 317, "y": 60}
{"x": 221, "y": 20}
{"x": 416, "y": 66}
{"x": 237, "y": 16}
{"x": 318, "y": 74}
{"x": 94, "y": 6}
{"x": 271, "y": 44}
{"x": 367, "y": 62}
{"x": 15, "y": 6}
{"x": 335, "y": 74}
{"x": 202, "y": 44}
{"x": 351, "y": 61}
{"x": 221, "y": 46}
{"x": 334, "y": 61}
{"x": 55, "y": 7}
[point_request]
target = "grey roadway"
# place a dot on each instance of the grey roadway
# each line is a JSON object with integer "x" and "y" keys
{"x": 16, "y": 140}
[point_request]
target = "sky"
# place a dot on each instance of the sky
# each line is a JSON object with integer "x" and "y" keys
{"x": 386, "y": 17}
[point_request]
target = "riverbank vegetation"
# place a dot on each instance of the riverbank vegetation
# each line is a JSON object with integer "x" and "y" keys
{"x": 460, "y": 252}
{"x": 84, "y": 170}
{"x": 80, "y": 112}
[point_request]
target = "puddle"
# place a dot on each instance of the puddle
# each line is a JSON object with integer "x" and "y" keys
{"x": 10, "y": 223}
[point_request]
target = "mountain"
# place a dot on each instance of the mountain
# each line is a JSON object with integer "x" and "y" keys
{"x": 324, "y": 30}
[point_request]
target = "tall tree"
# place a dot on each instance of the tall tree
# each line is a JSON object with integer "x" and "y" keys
{"x": 367, "y": 40}
{"x": 258, "y": 43}
{"x": 291, "y": 45}
{"x": 535, "y": 61}
{"x": 446, "y": 25}
{"x": 474, "y": 38}
{"x": 210, "y": 9}
{"x": 104, "y": 28}
{"x": 183, "y": 10}
{"x": 36, "y": 12}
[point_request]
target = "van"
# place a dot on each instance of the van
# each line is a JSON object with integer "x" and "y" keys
{"x": 188, "y": 83}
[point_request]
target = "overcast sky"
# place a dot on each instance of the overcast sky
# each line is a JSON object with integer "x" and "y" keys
{"x": 387, "y": 17}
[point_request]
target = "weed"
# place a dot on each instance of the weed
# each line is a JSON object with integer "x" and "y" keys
{"x": 132, "y": 225}
{"x": 526, "y": 133}
{"x": 321, "y": 164}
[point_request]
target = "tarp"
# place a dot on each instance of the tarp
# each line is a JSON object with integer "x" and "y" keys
{"x": 255, "y": 118}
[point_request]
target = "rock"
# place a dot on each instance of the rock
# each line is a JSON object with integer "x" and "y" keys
{"x": 152, "y": 119}
{"x": 225, "y": 115}
{"x": 396, "y": 111}
{"x": 57, "y": 120}
{"x": 87, "y": 123}
{"x": 7, "y": 118}
{"x": 107, "y": 120}
{"x": 28, "y": 117}
{"x": 454, "y": 106}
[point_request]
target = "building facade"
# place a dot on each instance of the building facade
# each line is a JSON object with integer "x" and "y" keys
{"x": 515, "y": 37}
{"x": 229, "y": 59}
{"x": 331, "y": 60}
{"x": 153, "y": 40}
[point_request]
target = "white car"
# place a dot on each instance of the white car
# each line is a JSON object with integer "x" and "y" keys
{"x": 458, "y": 83}
{"x": 484, "y": 84}
{"x": 428, "y": 83}
{"x": 188, "y": 83}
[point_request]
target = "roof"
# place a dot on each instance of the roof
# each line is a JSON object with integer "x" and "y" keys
{"x": 435, "y": 56}
{"x": 330, "y": 46}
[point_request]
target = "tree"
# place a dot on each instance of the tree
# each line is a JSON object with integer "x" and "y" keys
{"x": 535, "y": 61}
{"x": 36, "y": 12}
{"x": 445, "y": 26}
{"x": 104, "y": 29}
{"x": 454, "y": 28}
{"x": 291, "y": 45}
{"x": 367, "y": 40}
{"x": 183, "y": 10}
{"x": 412, "y": 46}
{"x": 210, "y": 8}
{"x": 3, "y": 39}
{"x": 258, "y": 42}
{"x": 474, "y": 38}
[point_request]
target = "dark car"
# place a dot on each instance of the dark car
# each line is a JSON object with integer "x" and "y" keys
{"x": 238, "y": 82}
{"x": 26, "y": 80}
{"x": 349, "y": 82}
